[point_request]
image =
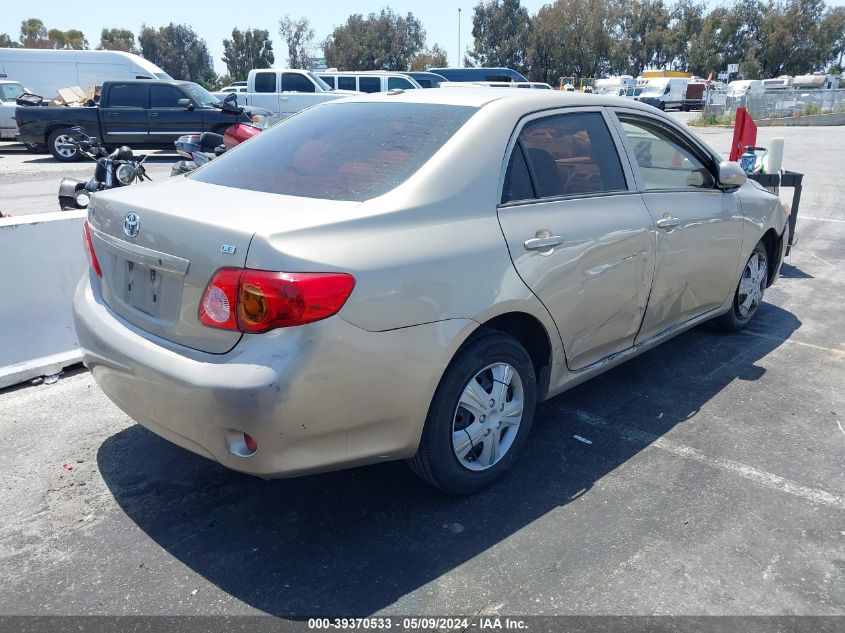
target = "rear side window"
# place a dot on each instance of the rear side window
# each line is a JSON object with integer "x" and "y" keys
{"x": 572, "y": 154}
{"x": 517, "y": 180}
{"x": 265, "y": 82}
{"x": 346, "y": 83}
{"x": 165, "y": 97}
{"x": 294, "y": 82}
{"x": 129, "y": 96}
{"x": 339, "y": 151}
{"x": 369, "y": 84}
{"x": 425, "y": 83}
{"x": 328, "y": 80}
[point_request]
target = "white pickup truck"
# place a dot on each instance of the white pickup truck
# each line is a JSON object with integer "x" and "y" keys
{"x": 9, "y": 91}
{"x": 286, "y": 91}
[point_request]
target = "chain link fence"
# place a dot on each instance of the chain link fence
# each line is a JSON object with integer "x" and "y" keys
{"x": 780, "y": 103}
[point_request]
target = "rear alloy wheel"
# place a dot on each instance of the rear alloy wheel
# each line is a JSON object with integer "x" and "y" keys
{"x": 61, "y": 147}
{"x": 749, "y": 292}
{"x": 480, "y": 415}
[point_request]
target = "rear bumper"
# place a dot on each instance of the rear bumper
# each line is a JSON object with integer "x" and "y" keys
{"x": 318, "y": 397}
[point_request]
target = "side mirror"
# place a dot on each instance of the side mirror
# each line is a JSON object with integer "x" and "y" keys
{"x": 731, "y": 174}
{"x": 185, "y": 103}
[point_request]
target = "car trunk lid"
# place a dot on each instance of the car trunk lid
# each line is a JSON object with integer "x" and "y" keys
{"x": 159, "y": 246}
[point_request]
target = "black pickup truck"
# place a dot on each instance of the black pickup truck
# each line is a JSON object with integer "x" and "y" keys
{"x": 141, "y": 114}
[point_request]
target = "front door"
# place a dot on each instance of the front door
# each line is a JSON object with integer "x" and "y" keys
{"x": 699, "y": 226}
{"x": 578, "y": 231}
{"x": 167, "y": 119}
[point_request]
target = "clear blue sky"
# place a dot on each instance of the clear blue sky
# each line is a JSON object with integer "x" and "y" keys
{"x": 214, "y": 21}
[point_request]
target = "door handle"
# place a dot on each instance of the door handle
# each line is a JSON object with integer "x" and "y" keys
{"x": 153, "y": 114}
{"x": 540, "y": 243}
{"x": 112, "y": 115}
{"x": 667, "y": 223}
{"x": 283, "y": 98}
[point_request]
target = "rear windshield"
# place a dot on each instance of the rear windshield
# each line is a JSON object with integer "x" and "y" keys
{"x": 342, "y": 151}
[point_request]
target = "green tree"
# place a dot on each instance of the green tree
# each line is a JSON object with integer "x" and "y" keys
{"x": 434, "y": 57}
{"x": 686, "y": 19}
{"x": 246, "y": 50}
{"x": 575, "y": 38}
{"x": 117, "y": 40}
{"x": 383, "y": 41}
{"x": 71, "y": 39}
{"x": 502, "y": 33}
{"x": 644, "y": 36}
{"x": 7, "y": 42}
{"x": 178, "y": 51}
{"x": 34, "y": 34}
{"x": 299, "y": 37}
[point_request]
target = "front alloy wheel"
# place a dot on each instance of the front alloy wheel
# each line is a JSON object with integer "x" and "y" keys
{"x": 749, "y": 292}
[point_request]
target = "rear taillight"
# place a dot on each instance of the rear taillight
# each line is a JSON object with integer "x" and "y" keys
{"x": 88, "y": 245}
{"x": 258, "y": 300}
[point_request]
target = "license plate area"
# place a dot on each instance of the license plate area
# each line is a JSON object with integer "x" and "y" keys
{"x": 153, "y": 291}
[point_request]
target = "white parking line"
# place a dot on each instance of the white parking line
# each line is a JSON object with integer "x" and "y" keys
{"x": 758, "y": 476}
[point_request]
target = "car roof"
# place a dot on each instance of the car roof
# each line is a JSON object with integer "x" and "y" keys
{"x": 479, "y": 96}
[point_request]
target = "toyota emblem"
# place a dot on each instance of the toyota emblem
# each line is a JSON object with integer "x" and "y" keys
{"x": 131, "y": 224}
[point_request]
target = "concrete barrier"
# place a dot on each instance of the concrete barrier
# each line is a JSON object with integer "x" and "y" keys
{"x": 806, "y": 121}
{"x": 42, "y": 259}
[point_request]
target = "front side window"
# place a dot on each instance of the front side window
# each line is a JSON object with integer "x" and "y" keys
{"x": 339, "y": 151}
{"x": 329, "y": 81}
{"x": 294, "y": 82}
{"x": 165, "y": 96}
{"x": 665, "y": 163}
{"x": 129, "y": 96}
{"x": 571, "y": 154}
{"x": 399, "y": 82}
{"x": 265, "y": 82}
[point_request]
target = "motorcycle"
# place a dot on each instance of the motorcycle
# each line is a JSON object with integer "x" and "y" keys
{"x": 120, "y": 168}
{"x": 198, "y": 149}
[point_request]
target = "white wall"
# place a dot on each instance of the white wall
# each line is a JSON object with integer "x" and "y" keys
{"x": 42, "y": 259}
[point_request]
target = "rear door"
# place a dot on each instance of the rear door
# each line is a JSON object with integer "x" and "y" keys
{"x": 578, "y": 231}
{"x": 123, "y": 120}
{"x": 699, "y": 225}
{"x": 167, "y": 119}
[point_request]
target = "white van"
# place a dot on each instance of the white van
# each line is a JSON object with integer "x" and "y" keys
{"x": 664, "y": 92}
{"x": 45, "y": 71}
{"x": 617, "y": 86}
{"x": 738, "y": 91}
{"x": 368, "y": 81}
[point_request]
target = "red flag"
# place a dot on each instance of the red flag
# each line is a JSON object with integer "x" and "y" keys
{"x": 745, "y": 134}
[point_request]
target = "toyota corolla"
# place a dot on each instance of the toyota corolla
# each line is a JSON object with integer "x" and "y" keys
{"x": 404, "y": 276}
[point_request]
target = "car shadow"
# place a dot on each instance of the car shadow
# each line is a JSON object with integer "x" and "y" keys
{"x": 354, "y": 542}
{"x": 787, "y": 271}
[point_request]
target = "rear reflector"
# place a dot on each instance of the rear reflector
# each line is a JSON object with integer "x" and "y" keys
{"x": 259, "y": 300}
{"x": 88, "y": 245}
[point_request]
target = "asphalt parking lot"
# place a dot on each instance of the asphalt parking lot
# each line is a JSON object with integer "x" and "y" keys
{"x": 711, "y": 482}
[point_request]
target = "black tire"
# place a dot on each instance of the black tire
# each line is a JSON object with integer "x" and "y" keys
{"x": 67, "y": 157}
{"x": 734, "y": 320}
{"x": 67, "y": 203}
{"x": 436, "y": 461}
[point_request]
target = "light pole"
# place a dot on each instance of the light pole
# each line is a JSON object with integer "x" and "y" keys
{"x": 460, "y": 62}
